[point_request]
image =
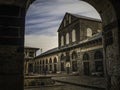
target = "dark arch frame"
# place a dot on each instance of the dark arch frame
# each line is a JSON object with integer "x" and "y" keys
{"x": 110, "y": 24}
{"x": 46, "y": 61}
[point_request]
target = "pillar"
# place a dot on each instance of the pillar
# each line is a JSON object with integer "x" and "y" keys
{"x": 11, "y": 47}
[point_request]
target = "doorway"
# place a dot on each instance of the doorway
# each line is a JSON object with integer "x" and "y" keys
{"x": 86, "y": 68}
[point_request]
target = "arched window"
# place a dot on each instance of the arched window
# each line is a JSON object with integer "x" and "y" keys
{"x": 85, "y": 56}
{"x": 89, "y": 32}
{"x": 98, "y": 55}
{"x": 50, "y": 61}
{"x": 46, "y": 61}
{"x": 62, "y": 41}
{"x": 67, "y": 38}
{"x": 74, "y": 55}
{"x": 73, "y": 35}
{"x": 55, "y": 60}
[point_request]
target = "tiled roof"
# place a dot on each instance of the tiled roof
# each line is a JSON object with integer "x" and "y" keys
{"x": 85, "y": 17}
{"x": 28, "y": 47}
{"x": 49, "y": 52}
{"x": 94, "y": 37}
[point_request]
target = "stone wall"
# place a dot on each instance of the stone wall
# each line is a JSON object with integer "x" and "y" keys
{"x": 12, "y": 19}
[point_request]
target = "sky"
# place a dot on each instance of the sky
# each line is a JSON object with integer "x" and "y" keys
{"x": 43, "y": 19}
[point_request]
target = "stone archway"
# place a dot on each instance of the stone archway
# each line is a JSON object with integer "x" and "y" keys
{"x": 12, "y": 40}
{"x": 110, "y": 21}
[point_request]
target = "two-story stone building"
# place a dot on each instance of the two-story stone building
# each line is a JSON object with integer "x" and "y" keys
{"x": 29, "y": 55}
{"x": 79, "y": 51}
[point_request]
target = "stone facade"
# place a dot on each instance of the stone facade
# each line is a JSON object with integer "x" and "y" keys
{"x": 79, "y": 38}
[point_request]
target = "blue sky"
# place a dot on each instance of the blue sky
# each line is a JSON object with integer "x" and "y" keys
{"x": 44, "y": 17}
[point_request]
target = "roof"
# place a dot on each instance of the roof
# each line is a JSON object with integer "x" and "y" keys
{"x": 85, "y": 17}
{"x": 28, "y": 47}
{"x": 79, "y": 17}
{"x": 94, "y": 37}
{"x": 49, "y": 52}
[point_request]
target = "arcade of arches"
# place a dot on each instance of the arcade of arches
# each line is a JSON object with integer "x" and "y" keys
{"x": 12, "y": 17}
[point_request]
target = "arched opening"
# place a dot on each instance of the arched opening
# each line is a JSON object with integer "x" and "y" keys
{"x": 50, "y": 65}
{"x": 73, "y": 35}
{"x": 62, "y": 40}
{"x": 62, "y": 58}
{"x": 62, "y": 62}
{"x": 40, "y": 66}
{"x": 55, "y": 65}
{"x": 86, "y": 65}
{"x": 46, "y": 65}
{"x": 74, "y": 61}
{"x": 50, "y": 61}
{"x": 46, "y": 61}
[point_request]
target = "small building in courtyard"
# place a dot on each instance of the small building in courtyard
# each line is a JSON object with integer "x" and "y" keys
{"x": 29, "y": 55}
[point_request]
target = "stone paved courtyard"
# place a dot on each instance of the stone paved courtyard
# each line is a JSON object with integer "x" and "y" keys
{"x": 68, "y": 82}
{"x": 64, "y": 87}
{"x": 87, "y": 81}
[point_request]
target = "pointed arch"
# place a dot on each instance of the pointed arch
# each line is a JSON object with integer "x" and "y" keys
{"x": 55, "y": 60}
{"x": 50, "y": 61}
